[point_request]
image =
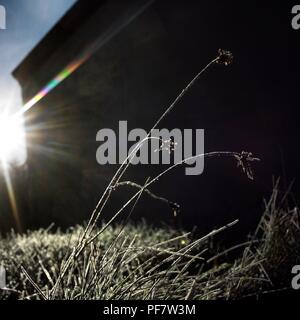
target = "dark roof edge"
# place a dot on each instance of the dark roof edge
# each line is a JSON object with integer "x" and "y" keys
{"x": 64, "y": 28}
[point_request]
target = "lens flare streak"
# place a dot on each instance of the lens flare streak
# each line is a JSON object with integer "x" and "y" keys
{"x": 51, "y": 85}
{"x": 11, "y": 196}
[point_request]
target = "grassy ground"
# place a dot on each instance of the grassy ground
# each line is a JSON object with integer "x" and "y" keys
{"x": 140, "y": 262}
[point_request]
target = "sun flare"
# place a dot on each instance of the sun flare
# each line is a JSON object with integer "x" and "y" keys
{"x": 11, "y": 138}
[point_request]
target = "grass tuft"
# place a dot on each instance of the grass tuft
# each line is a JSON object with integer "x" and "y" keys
{"x": 143, "y": 262}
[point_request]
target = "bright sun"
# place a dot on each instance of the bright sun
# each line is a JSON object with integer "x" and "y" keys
{"x": 11, "y": 138}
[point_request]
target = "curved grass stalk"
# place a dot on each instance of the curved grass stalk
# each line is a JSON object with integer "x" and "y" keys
{"x": 225, "y": 58}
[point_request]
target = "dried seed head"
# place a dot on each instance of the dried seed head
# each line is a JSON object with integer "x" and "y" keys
{"x": 225, "y": 57}
{"x": 244, "y": 160}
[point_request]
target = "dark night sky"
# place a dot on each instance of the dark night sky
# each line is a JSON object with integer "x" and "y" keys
{"x": 260, "y": 93}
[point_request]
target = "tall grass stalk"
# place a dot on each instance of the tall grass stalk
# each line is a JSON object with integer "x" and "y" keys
{"x": 88, "y": 236}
